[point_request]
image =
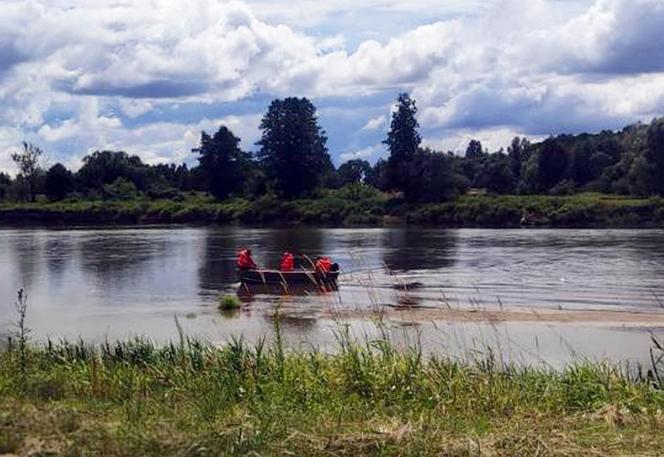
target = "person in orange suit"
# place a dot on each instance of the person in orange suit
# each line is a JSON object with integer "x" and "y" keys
{"x": 287, "y": 262}
{"x": 244, "y": 260}
{"x": 323, "y": 264}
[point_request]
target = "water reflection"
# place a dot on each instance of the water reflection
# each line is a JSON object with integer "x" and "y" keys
{"x": 106, "y": 283}
{"x": 249, "y": 293}
{"x": 407, "y": 249}
{"x": 217, "y": 265}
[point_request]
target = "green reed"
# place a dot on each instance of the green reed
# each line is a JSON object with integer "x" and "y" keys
{"x": 366, "y": 398}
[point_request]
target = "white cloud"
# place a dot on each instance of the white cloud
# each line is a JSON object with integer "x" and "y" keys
{"x": 456, "y": 140}
{"x": 367, "y": 153}
{"x": 375, "y": 123}
{"x": 73, "y": 73}
{"x": 153, "y": 143}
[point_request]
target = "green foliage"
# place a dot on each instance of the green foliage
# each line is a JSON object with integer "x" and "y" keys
{"x": 229, "y": 303}
{"x": 102, "y": 168}
{"x": 5, "y": 183}
{"x": 120, "y": 189}
{"x": 354, "y": 171}
{"x": 293, "y": 151}
{"x": 29, "y": 167}
{"x": 222, "y": 162}
{"x": 58, "y": 182}
{"x": 403, "y": 142}
{"x": 364, "y": 398}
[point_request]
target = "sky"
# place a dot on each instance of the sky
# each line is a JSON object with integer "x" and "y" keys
{"x": 147, "y": 76}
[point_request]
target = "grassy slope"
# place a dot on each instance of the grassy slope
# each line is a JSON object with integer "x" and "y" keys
{"x": 190, "y": 399}
{"x": 358, "y": 206}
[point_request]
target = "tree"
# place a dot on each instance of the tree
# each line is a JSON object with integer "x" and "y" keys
{"x": 223, "y": 164}
{"x": 655, "y": 153}
{"x": 403, "y": 141}
{"x": 104, "y": 167}
{"x": 580, "y": 168}
{"x": 354, "y": 171}
{"x": 474, "y": 150}
{"x": 496, "y": 174}
{"x": 5, "y": 182}
{"x": 377, "y": 175}
{"x": 551, "y": 164}
{"x": 518, "y": 152}
{"x": 431, "y": 177}
{"x": 30, "y": 170}
{"x": 293, "y": 149}
{"x": 58, "y": 182}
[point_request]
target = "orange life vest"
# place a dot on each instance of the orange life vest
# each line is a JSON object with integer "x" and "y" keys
{"x": 323, "y": 264}
{"x": 244, "y": 260}
{"x": 287, "y": 262}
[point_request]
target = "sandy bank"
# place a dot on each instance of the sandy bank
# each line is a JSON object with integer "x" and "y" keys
{"x": 540, "y": 315}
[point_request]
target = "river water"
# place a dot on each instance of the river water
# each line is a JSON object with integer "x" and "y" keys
{"x": 108, "y": 283}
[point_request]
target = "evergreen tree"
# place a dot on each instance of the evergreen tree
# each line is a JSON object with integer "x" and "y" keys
{"x": 223, "y": 164}
{"x": 293, "y": 149}
{"x": 403, "y": 141}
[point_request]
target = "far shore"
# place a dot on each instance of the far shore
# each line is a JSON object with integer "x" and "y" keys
{"x": 343, "y": 208}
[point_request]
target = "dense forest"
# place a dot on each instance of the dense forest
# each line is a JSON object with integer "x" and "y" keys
{"x": 291, "y": 161}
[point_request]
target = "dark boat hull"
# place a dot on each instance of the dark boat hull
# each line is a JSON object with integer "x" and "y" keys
{"x": 287, "y": 277}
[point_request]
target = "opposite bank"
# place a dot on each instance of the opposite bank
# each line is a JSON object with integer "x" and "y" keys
{"x": 363, "y": 209}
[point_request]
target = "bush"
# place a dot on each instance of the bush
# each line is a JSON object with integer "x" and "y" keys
{"x": 121, "y": 189}
{"x": 229, "y": 303}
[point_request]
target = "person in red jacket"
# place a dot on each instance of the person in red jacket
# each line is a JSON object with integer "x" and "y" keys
{"x": 287, "y": 262}
{"x": 244, "y": 260}
{"x": 323, "y": 264}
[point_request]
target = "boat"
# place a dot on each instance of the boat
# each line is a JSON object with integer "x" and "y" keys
{"x": 289, "y": 278}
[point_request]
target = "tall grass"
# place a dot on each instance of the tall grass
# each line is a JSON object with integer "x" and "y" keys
{"x": 368, "y": 398}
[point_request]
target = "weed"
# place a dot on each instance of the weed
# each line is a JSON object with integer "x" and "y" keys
{"x": 229, "y": 303}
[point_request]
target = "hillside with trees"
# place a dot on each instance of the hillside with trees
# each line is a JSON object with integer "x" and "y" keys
{"x": 291, "y": 172}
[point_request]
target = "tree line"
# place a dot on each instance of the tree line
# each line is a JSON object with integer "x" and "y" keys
{"x": 292, "y": 161}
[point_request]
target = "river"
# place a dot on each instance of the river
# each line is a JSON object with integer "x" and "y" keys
{"x": 108, "y": 283}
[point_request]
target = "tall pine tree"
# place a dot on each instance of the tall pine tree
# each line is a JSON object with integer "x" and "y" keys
{"x": 293, "y": 149}
{"x": 403, "y": 142}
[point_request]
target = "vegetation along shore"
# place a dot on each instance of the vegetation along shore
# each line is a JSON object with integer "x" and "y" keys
{"x": 606, "y": 179}
{"x": 354, "y": 205}
{"x": 192, "y": 399}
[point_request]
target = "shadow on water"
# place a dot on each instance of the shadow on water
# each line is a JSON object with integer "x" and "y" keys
{"x": 217, "y": 265}
{"x": 407, "y": 249}
{"x": 250, "y": 293}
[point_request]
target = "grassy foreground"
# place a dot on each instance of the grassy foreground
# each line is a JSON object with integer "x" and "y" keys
{"x": 190, "y": 399}
{"x": 356, "y": 205}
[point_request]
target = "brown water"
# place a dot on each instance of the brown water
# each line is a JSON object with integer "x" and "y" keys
{"x": 103, "y": 283}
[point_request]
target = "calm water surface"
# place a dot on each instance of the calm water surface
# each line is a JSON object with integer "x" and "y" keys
{"x": 111, "y": 283}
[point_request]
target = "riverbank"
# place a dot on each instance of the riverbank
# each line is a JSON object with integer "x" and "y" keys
{"x": 417, "y": 315}
{"x": 355, "y": 207}
{"x": 192, "y": 399}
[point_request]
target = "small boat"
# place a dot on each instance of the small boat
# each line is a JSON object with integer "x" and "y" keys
{"x": 287, "y": 278}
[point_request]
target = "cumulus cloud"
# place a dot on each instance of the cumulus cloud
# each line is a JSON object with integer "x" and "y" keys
{"x": 376, "y": 123}
{"x": 78, "y": 75}
{"x": 368, "y": 153}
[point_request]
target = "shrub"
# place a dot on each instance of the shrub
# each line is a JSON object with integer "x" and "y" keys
{"x": 229, "y": 303}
